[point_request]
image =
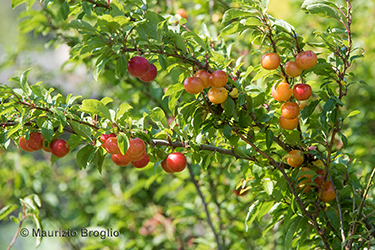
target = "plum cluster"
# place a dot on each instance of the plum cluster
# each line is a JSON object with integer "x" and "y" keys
{"x": 58, "y": 147}
{"x": 216, "y": 81}
{"x": 282, "y": 92}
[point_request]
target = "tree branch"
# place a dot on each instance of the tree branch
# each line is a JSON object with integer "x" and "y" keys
{"x": 19, "y": 228}
{"x": 178, "y": 144}
{"x": 219, "y": 247}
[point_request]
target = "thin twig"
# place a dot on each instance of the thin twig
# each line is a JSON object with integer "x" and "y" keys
{"x": 205, "y": 207}
{"x": 19, "y": 228}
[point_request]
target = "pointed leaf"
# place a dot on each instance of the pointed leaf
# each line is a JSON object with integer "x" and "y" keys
{"x": 123, "y": 142}
{"x": 158, "y": 116}
{"x": 96, "y": 107}
{"x": 7, "y": 210}
{"x": 15, "y": 3}
{"x": 269, "y": 138}
{"x": 252, "y": 214}
{"x": 125, "y": 107}
{"x": 47, "y": 130}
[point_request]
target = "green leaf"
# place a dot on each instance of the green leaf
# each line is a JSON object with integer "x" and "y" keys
{"x": 37, "y": 200}
{"x": 229, "y": 107}
{"x": 47, "y": 130}
{"x": 123, "y": 142}
{"x": 197, "y": 39}
{"x": 125, "y": 107}
{"x": 355, "y": 57}
{"x": 101, "y": 62}
{"x": 15, "y": 3}
{"x": 269, "y": 138}
{"x": 264, "y": 5}
{"x": 82, "y": 25}
{"x": 121, "y": 66}
{"x": 163, "y": 61}
{"x": 29, "y": 203}
{"x": 29, "y": 4}
{"x": 321, "y": 8}
{"x": 265, "y": 208}
{"x": 268, "y": 185}
{"x": 177, "y": 40}
{"x": 38, "y": 225}
{"x": 98, "y": 159}
{"x": 353, "y": 113}
{"x": 307, "y": 3}
{"x": 14, "y": 219}
{"x": 227, "y": 131}
{"x": 74, "y": 139}
{"x": 240, "y": 151}
{"x": 96, "y": 107}
{"x": 293, "y": 137}
{"x": 86, "y": 8}
{"x": 64, "y": 10}
{"x": 83, "y": 156}
{"x": 284, "y": 25}
{"x": 232, "y": 28}
{"x": 344, "y": 140}
{"x": 7, "y": 210}
{"x": 174, "y": 89}
{"x": 291, "y": 230}
{"x": 333, "y": 218}
{"x": 256, "y": 170}
{"x": 328, "y": 106}
{"x": 82, "y": 130}
{"x": 252, "y": 214}
{"x": 106, "y": 100}
{"x": 237, "y": 13}
{"x": 249, "y": 102}
{"x": 60, "y": 114}
{"x": 173, "y": 99}
{"x": 309, "y": 109}
{"x": 158, "y": 116}
{"x": 23, "y": 81}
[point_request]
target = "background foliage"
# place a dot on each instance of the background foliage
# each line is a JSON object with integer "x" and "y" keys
{"x": 152, "y": 209}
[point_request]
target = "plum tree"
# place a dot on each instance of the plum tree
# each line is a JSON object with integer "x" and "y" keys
{"x": 240, "y": 143}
